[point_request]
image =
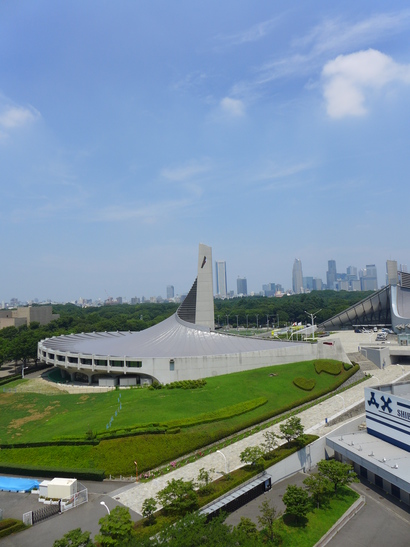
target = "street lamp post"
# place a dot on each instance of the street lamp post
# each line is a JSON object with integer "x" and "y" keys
{"x": 257, "y": 321}
{"x": 227, "y": 321}
{"x": 312, "y": 318}
{"x": 136, "y": 470}
{"x": 105, "y": 505}
{"x": 226, "y": 461}
{"x": 237, "y": 323}
{"x": 344, "y": 404}
{"x": 247, "y": 321}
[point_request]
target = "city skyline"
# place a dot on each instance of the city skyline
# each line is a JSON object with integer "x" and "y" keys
{"x": 354, "y": 278}
{"x": 131, "y": 133}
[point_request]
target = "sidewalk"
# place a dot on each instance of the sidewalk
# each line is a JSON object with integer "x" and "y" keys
{"x": 228, "y": 459}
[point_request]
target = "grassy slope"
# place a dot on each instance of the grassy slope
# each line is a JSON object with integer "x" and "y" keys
{"x": 37, "y": 417}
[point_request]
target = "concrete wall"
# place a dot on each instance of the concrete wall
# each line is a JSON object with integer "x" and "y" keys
{"x": 377, "y": 355}
{"x": 310, "y": 456}
{"x": 197, "y": 367}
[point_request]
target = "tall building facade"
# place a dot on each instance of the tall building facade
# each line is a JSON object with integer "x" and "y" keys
{"x": 368, "y": 278}
{"x": 241, "y": 286}
{"x": 331, "y": 274}
{"x": 170, "y": 292}
{"x": 391, "y": 272}
{"x": 221, "y": 281}
{"x": 297, "y": 276}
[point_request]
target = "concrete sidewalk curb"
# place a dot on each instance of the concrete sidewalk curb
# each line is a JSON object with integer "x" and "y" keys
{"x": 344, "y": 519}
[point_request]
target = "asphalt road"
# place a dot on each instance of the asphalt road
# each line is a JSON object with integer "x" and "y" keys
{"x": 383, "y": 522}
{"x": 44, "y": 533}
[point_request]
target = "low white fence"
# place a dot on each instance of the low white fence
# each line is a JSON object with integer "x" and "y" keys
{"x": 77, "y": 499}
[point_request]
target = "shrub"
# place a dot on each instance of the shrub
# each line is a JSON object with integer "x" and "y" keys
{"x": 221, "y": 414}
{"x": 347, "y": 366}
{"x": 31, "y": 471}
{"x": 328, "y": 366}
{"x": 9, "y": 526}
{"x": 304, "y": 383}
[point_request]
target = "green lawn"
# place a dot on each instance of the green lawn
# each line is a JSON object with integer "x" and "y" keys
{"x": 31, "y": 417}
{"x": 319, "y": 521}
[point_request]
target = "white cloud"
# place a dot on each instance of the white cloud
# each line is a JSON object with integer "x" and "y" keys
{"x": 17, "y": 116}
{"x": 233, "y": 107}
{"x": 349, "y": 78}
{"x": 307, "y": 54}
{"x": 253, "y": 34}
{"x": 185, "y": 172}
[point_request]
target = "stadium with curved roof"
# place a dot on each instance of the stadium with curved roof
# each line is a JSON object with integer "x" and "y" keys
{"x": 387, "y": 307}
{"x": 183, "y": 347}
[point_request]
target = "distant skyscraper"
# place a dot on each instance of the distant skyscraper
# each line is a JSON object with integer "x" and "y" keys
{"x": 331, "y": 274}
{"x": 317, "y": 284}
{"x": 368, "y": 278}
{"x": 297, "y": 276}
{"x": 221, "y": 283}
{"x": 269, "y": 289}
{"x": 170, "y": 292}
{"x": 241, "y": 286}
{"x": 308, "y": 283}
{"x": 403, "y": 268}
{"x": 391, "y": 272}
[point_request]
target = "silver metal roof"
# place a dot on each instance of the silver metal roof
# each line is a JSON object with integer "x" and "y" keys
{"x": 170, "y": 338}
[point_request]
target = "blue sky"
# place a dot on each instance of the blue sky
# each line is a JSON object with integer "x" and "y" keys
{"x": 132, "y": 131}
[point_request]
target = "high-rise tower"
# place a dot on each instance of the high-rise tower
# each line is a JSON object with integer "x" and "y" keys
{"x": 331, "y": 274}
{"x": 241, "y": 286}
{"x": 391, "y": 272}
{"x": 221, "y": 283}
{"x": 297, "y": 276}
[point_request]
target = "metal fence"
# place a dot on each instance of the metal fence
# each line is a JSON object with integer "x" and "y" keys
{"x": 45, "y": 512}
{"x": 77, "y": 499}
{"x": 32, "y": 517}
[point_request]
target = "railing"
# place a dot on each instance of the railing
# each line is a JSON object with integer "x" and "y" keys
{"x": 45, "y": 512}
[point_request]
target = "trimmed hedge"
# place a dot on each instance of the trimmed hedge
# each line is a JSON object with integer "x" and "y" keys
{"x": 183, "y": 384}
{"x": 304, "y": 383}
{"x": 221, "y": 414}
{"x": 347, "y": 366}
{"x": 328, "y": 366}
{"x": 62, "y": 442}
{"x": 31, "y": 471}
{"x": 9, "y": 379}
{"x": 9, "y": 526}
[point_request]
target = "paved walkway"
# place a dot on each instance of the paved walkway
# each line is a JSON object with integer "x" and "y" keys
{"x": 217, "y": 463}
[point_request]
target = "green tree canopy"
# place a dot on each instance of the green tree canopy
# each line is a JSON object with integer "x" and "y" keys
{"x": 338, "y": 473}
{"x": 74, "y": 538}
{"x": 292, "y": 428}
{"x": 178, "y": 497}
{"x": 116, "y": 528}
{"x": 297, "y": 503}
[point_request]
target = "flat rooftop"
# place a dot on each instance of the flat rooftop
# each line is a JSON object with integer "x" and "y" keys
{"x": 384, "y": 459}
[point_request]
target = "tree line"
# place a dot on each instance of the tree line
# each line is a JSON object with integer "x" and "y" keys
{"x": 19, "y": 344}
